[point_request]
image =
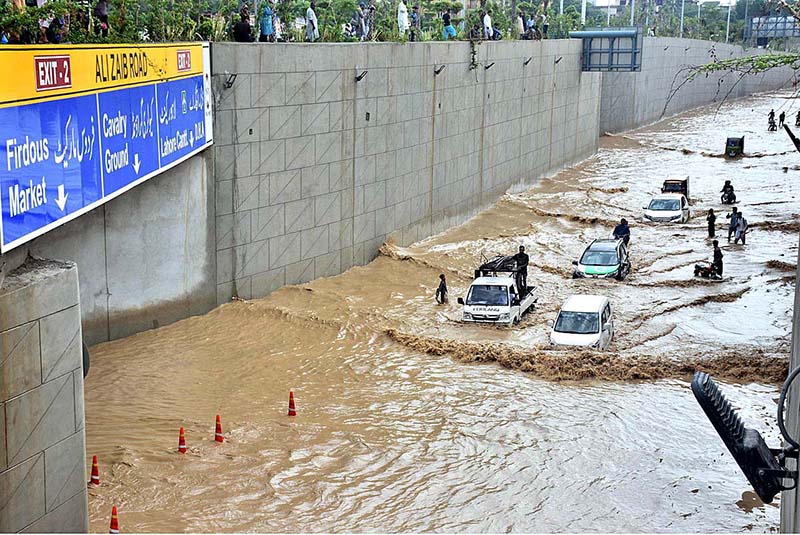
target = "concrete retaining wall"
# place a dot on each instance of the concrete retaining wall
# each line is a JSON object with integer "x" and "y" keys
{"x": 315, "y": 171}
{"x": 300, "y": 184}
{"x": 630, "y": 100}
{"x": 42, "y": 444}
{"x": 144, "y": 259}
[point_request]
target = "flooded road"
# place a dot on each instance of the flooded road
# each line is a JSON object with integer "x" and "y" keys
{"x": 409, "y": 420}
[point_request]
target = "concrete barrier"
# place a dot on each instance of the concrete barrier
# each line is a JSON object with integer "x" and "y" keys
{"x": 42, "y": 443}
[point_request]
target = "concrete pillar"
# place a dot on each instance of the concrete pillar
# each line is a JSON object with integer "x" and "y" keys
{"x": 42, "y": 442}
{"x": 790, "y": 522}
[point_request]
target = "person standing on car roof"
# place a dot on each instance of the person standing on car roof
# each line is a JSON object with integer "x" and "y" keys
{"x": 717, "y": 263}
{"x": 734, "y": 217}
{"x": 521, "y": 260}
{"x": 441, "y": 291}
{"x": 711, "y": 218}
{"x": 622, "y": 231}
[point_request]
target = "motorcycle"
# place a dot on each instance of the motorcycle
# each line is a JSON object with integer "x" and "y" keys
{"x": 728, "y": 197}
{"x": 706, "y": 270}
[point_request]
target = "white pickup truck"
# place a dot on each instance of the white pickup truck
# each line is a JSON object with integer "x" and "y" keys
{"x": 494, "y": 296}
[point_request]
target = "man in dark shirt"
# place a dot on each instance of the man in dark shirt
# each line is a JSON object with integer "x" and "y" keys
{"x": 622, "y": 231}
{"x": 521, "y": 260}
{"x": 449, "y": 32}
{"x": 441, "y": 291}
{"x": 717, "y": 259}
{"x": 242, "y": 32}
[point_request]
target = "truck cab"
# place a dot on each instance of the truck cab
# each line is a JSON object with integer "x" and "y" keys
{"x": 495, "y": 295}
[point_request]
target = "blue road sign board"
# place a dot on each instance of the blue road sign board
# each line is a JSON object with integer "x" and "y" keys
{"x": 61, "y": 158}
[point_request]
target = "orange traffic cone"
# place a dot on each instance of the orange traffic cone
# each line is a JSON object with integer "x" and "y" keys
{"x": 114, "y": 522}
{"x": 95, "y": 480}
{"x": 218, "y": 432}
{"x": 182, "y": 442}
{"x": 292, "y": 410}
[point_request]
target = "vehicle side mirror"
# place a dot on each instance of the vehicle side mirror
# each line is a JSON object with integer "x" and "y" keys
{"x": 551, "y": 323}
{"x": 574, "y": 262}
{"x": 460, "y": 301}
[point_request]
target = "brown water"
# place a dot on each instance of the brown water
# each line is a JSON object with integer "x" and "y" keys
{"x": 411, "y": 421}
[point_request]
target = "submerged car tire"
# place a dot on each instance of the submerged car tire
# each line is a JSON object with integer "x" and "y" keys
{"x": 85, "y": 360}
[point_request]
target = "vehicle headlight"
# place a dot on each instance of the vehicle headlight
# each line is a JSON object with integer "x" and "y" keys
{"x": 596, "y": 345}
{"x": 675, "y": 218}
{"x": 467, "y": 316}
{"x": 504, "y": 317}
{"x": 612, "y": 274}
{"x": 646, "y": 216}
{"x": 578, "y": 274}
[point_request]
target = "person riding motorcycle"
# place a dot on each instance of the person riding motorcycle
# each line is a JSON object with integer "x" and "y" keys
{"x": 728, "y": 196}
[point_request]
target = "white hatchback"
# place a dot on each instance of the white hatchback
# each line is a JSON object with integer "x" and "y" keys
{"x": 667, "y": 208}
{"x": 584, "y": 320}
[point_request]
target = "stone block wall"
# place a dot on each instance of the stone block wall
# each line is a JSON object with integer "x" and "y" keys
{"x": 633, "y": 99}
{"x": 315, "y": 170}
{"x": 42, "y": 445}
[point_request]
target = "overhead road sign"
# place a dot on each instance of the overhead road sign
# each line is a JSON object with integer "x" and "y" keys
{"x": 86, "y": 124}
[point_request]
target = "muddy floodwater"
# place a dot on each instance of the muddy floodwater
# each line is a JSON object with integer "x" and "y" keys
{"x": 409, "y": 420}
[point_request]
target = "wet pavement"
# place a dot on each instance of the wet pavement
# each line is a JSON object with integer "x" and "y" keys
{"x": 412, "y": 421}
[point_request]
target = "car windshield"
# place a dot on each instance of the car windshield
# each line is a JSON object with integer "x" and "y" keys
{"x": 487, "y": 295}
{"x": 577, "y": 322}
{"x": 664, "y": 205}
{"x": 599, "y": 258}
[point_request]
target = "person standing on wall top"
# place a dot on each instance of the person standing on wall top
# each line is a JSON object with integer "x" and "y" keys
{"x": 402, "y": 17}
{"x": 416, "y": 24}
{"x": 312, "y": 29}
{"x": 100, "y": 12}
{"x": 520, "y": 25}
{"x": 488, "y": 29}
{"x": 242, "y": 32}
{"x": 545, "y": 25}
{"x": 448, "y": 31}
{"x": 781, "y": 119}
{"x": 797, "y": 119}
{"x": 267, "y": 34}
{"x": 771, "y": 116}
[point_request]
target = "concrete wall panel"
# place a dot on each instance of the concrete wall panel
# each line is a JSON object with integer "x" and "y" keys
{"x": 42, "y": 450}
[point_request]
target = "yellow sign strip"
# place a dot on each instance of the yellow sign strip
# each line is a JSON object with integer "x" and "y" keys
{"x": 44, "y": 72}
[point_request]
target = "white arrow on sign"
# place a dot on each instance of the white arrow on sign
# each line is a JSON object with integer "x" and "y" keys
{"x": 136, "y": 163}
{"x": 61, "y": 200}
{"x": 191, "y": 139}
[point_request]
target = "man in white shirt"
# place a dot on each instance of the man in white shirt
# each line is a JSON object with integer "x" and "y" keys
{"x": 312, "y": 31}
{"x": 488, "y": 30}
{"x": 402, "y": 17}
